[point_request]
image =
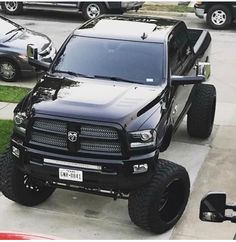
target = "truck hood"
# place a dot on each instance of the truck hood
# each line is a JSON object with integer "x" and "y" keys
{"x": 91, "y": 99}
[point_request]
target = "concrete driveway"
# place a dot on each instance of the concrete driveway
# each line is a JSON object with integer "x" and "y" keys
{"x": 72, "y": 215}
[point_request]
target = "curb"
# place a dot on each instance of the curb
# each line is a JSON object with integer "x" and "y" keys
{"x": 6, "y": 110}
{"x": 161, "y": 13}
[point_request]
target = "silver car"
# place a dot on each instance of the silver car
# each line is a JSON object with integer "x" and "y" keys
{"x": 89, "y": 10}
{"x": 13, "y": 50}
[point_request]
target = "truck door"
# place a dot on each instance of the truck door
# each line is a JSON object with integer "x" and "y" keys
{"x": 181, "y": 63}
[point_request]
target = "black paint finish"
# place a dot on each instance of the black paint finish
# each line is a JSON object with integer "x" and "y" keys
{"x": 121, "y": 105}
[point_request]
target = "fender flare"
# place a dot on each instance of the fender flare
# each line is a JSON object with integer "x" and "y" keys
{"x": 167, "y": 138}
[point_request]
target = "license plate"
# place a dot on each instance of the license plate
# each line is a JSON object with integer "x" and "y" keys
{"x": 70, "y": 175}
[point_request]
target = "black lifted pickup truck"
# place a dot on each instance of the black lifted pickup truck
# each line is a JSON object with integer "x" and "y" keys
{"x": 108, "y": 105}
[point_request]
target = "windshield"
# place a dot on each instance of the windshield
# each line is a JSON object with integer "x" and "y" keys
{"x": 7, "y": 27}
{"x": 119, "y": 60}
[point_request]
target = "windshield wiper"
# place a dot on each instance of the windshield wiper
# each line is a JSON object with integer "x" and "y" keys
{"x": 71, "y": 73}
{"x": 114, "y": 78}
{"x": 10, "y": 38}
{"x": 14, "y": 30}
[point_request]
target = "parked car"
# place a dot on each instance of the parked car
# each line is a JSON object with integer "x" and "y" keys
{"x": 110, "y": 102}
{"x": 219, "y": 15}
{"x": 13, "y": 50}
{"x": 89, "y": 10}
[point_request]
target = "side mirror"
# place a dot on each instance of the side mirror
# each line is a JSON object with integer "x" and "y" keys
{"x": 204, "y": 69}
{"x": 32, "y": 54}
{"x": 212, "y": 208}
{"x": 186, "y": 80}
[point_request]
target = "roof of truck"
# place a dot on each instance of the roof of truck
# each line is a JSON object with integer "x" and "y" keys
{"x": 128, "y": 27}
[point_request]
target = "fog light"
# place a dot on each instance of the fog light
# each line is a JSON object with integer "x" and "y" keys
{"x": 141, "y": 168}
{"x": 15, "y": 151}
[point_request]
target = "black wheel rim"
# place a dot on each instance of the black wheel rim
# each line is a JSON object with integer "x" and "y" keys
{"x": 172, "y": 201}
{"x": 30, "y": 184}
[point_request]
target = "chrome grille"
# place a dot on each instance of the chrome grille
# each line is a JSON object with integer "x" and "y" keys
{"x": 91, "y": 138}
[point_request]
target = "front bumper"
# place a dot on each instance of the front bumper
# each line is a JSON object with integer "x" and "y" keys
{"x": 115, "y": 174}
{"x": 199, "y": 11}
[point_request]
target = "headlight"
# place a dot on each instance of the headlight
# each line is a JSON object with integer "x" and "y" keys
{"x": 20, "y": 123}
{"x": 143, "y": 138}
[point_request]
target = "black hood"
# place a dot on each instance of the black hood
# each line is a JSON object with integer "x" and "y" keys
{"x": 91, "y": 99}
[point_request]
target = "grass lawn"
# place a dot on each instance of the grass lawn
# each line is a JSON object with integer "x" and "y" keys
{"x": 167, "y": 8}
{"x": 12, "y": 94}
{"x": 5, "y": 133}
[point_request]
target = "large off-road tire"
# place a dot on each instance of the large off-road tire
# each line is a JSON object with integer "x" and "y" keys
{"x": 159, "y": 205}
{"x": 219, "y": 16}
{"x": 1, "y": 160}
{"x": 12, "y": 7}
{"x": 201, "y": 114}
{"x": 9, "y": 70}
{"x": 92, "y": 10}
{"x": 20, "y": 187}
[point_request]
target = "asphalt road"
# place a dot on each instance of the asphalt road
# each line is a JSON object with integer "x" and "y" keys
{"x": 73, "y": 215}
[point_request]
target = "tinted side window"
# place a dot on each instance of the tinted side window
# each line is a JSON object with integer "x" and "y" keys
{"x": 173, "y": 54}
{"x": 179, "y": 49}
{"x": 184, "y": 44}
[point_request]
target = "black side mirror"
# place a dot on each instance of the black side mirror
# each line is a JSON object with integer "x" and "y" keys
{"x": 213, "y": 206}
{"x": 32, "y": 54}
{"x": 186, "y": 80}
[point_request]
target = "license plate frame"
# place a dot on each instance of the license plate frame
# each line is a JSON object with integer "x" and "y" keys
{"x": 70, "y": 175}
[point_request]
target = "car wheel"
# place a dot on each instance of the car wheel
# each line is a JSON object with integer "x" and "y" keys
{"x": 9, "y": 71}
{"x": 19, "y": 186}
{"x": 92, "y": 10}
{"x": 219, "y": 17}
{"x": 201, "y": 114}
{"x": 12, "y": 8}
{"x": 158, "y": 206}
